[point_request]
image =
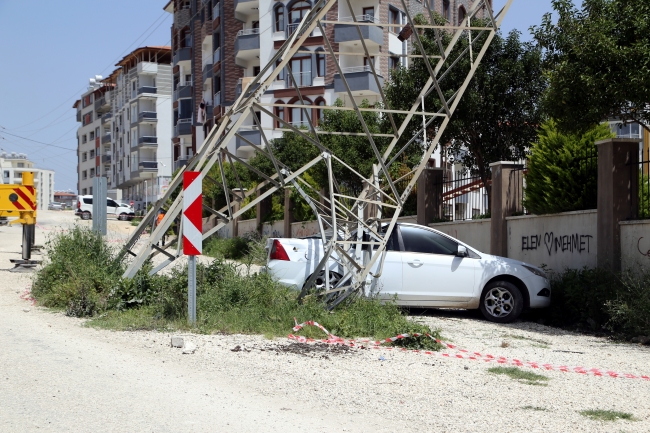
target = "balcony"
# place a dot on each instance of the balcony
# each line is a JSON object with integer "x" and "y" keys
{"x": 373, "y": 36}
{"x": 183, "y": 127}
{"x": 147, "y": 90}
{"x": 183, "y": 54}
{"x": 148, "y": 141}
{"x": 207, "y": 71}
{"x": 106, "y": 139}
{"x": 217, "y": 99}
{"x": 247, "y": 9}
{"x": 247, "y": 46}
{"x": 148, "y": 165}
{"x": 302, "y": 79}
{"x": 360, "y": 80}
{"x": 181, "y": 162}
{"x": 242, "y": 85}
{"x": 107, "y": 117}
{"x": 216, "y": 57}
{"x": 250, "y": 133}
{"x": 78, "y": 116}
{"x": 148, "y": 117}
{"x": 106, "y": 159}
{"x": 102, "y": 105}
{"x": 183, "y": 91}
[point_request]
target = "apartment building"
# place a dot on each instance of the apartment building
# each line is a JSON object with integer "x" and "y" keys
{"x": 14, "y": 164}
{"x": 138, "y": 125}
{"x": 125, "y": 132}
{"x": 220, "y": 46}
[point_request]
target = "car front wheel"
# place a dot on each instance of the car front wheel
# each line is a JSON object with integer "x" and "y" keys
{"x": 122, "y": 217}
{"x": 501, "y": 302}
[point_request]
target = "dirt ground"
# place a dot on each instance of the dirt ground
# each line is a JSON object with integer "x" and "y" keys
{"x": 58, "y": 375}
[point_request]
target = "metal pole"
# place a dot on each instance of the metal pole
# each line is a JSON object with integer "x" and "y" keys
{"x": 145, "y": 197}
{"x": 191, "y": 290}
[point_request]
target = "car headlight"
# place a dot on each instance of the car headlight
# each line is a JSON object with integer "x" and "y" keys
{"x": 535, "y": 271}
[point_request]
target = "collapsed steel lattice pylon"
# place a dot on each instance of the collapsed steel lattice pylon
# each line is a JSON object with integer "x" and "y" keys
{"x": 358, "y": 237}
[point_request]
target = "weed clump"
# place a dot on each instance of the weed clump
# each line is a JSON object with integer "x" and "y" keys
{"x": 522, "y": 376}
{"x": 607, "y": 415}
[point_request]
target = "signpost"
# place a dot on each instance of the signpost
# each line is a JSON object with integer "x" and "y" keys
{"x": 192, "y": 233}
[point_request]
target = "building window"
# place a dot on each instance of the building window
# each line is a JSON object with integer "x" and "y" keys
{"x": 393, "y": 62}
{"x": 20, "y": 164}
{"x": 394, "y": 17}
{"x": 279, "y": 112}
{"x": 320, "y": 113}
{"x": 84, "y": 157}
{"x": 92, "y": 154}
{"x": 92, "y": 135}
{"x": 84, "y": 139}
{"x": 84, "y": 175}
{"x": 279, "y": 18}
{"x": 87, "y": 100}
{"x": 84, "y": 191}
{"x": 461, "y": 14}
{"x": 446, "y": 10}
{"x": 299, "y": 116}
{"x": 320, "y": 63}
{"x": 301, "y": 71}
{"x": 296, "y": 13}
{"x": 88, "y": 118}
{"x": 281, "y": 76}
{"x": 368, "y": 14}
{"x": 92, "y": 172}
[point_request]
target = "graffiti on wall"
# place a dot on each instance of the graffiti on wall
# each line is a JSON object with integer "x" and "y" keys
{"x": 638, "y": 247}
{"x": 573, "y": 243}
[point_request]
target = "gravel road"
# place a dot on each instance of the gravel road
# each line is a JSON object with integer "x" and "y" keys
{"x": 58, "y": 375}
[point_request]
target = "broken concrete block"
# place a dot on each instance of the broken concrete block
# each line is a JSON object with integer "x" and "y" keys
{"x": 189, "y": 348}
{"x": 178, "y": 342}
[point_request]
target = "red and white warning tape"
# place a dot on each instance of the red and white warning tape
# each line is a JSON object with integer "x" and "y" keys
{"x": 460, "y": 353}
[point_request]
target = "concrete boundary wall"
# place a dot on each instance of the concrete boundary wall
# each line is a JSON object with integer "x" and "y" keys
{"x": 559, "y": 241}
{"x": 475, "y": 233}
{"x": 635, "y": 245}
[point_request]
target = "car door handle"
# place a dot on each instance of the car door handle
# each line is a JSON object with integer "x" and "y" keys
{"x": 415, "y": 262}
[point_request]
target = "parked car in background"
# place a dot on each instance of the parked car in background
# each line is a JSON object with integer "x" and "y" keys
{"x": 114, "y": 209}
{"x": 55, "y": 206}
{"x": 425, "y": 268}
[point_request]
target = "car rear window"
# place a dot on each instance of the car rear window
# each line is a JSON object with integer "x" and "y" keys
{"x": 424, "y": 241}
{"x": 88, "y": 200}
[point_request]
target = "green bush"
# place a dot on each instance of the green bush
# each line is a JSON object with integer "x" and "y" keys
{"x": 597, "y": 300}
{"x": 563, "y": 170}
{"x": 250, "y": 248}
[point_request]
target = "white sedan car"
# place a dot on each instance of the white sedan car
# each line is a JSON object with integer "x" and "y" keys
{"x": 426, "y": 268}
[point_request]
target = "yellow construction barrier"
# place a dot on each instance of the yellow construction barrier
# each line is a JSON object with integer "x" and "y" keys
{"x": 19, "y": 200}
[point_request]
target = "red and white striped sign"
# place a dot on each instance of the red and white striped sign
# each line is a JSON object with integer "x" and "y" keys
{"x": 192, "y": 212}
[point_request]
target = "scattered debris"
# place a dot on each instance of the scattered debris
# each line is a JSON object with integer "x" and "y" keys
{"x": 26, "y": 310}
{"x": 189, "y": 348}
{"x": 178, "y": 342}
{"x": 505, "y": 344}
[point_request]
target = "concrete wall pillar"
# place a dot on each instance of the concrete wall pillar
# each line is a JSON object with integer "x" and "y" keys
{"x": 429, "y": 195}
{"x": 618, "y": 196}
{"x": 507, "y": 194}
{"x": 289, "y": 217}
{"x": 263, "y": 210}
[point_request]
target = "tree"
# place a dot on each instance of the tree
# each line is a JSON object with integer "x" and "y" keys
{"x": 598, "y": 62}
{"x": 563, "y": 170}
{"x": 499, "y": 113}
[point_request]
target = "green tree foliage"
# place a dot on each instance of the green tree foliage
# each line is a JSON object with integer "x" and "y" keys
{"x": 563, "y": 170}
{"x": 499, "y": 112}
{"x": 598, "y": 61}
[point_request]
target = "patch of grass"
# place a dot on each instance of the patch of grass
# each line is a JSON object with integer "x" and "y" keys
{"x": 136, "y": 221}
{"x": 248, "y": 248}
{"x": 607, "y": 415}
{"x": 523, "y": 376}
{"x": 84, "y": 276}
{"x": 535, "y": 408}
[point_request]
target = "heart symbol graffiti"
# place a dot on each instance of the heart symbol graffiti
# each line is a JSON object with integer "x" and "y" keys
{"x": 548, "y": 241}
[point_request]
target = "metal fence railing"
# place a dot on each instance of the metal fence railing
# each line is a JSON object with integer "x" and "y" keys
{"x": 640, "y": 208}
{"x": 464, "y": 198}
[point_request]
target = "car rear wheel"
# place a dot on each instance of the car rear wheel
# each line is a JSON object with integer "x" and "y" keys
{"x": 122, "y": 217}
{"x": 85, "y": 215}
{"x": 501, "y": 302}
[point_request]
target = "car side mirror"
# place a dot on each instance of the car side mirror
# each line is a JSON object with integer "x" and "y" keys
{"x": 462, "y": 251}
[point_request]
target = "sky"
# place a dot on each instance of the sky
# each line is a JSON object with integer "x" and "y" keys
{"x": 50, "y": 49}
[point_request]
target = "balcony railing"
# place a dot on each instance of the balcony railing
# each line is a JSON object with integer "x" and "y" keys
{"x": 367, "y": 18}
{"x": 148, "y": 140}
{"x": 353, "y": 69}
{"x": 106, "y": 117}
{"x": 147, "y": 115}
{"x": 291, "y": 28}
{"x": 302, "y": 79}
{"x": 216, "y": 11}
{"x": 106, "y": 139}
{"x": 183, "y": 90}
{"x": 181, "y": 162}
{"x": 216, "y": 57}
{"x": 148, "y": 165}
{"x": 106, "y": 158}
{"x": 147, "y": 89}
{"x": 245, "y": 32}
{"x": 217, "y": 99}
